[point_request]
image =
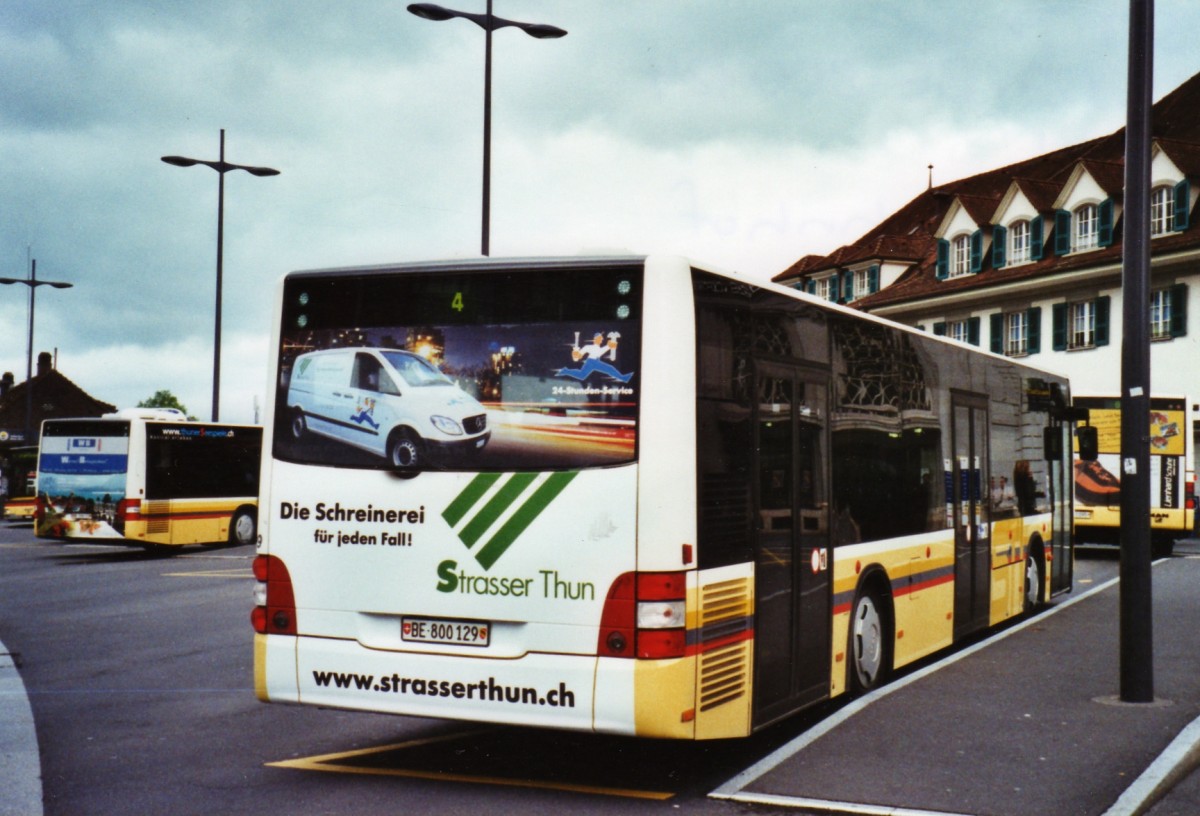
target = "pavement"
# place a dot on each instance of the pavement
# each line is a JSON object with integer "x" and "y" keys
{"x": 20, "y": 763}
{"x": 1025, "y": 722}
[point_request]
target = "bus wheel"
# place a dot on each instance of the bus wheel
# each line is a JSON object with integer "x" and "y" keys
{"x": 1033, "y": 583}
{"x": 242, "y": 528}
{"x": 868, "y": 643}
{"x": 404, "y": 451}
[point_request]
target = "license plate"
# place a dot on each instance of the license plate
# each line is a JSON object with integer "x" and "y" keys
{"x": 441, "y": 630}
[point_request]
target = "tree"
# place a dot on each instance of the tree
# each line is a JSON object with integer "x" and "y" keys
{"x": 164, "y": 399}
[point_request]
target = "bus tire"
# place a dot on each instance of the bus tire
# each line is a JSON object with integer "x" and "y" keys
{"x": 1035, "y": 578}
{"x": 1162, "y": 545}
{"x": 404, "y": 450}
{"x": 870, "y": 640}
{"x": 243, "y": 527}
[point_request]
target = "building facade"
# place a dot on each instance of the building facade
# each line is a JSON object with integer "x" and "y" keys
{"x": 1025, "y": 260}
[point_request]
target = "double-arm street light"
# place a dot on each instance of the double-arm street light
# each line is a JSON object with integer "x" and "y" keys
{"x": 33, "y": 283}
{"x": 489, "y": 23}
{"x": 222, "y": 167}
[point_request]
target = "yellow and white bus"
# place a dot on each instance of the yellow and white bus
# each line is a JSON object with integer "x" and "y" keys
{"x": 148, "y": 477}
{"x": 1172, "y": 478}
{"x": 703, "y": 503}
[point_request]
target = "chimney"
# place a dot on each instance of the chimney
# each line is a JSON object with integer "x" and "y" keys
{"x": 44, "y": 363}
{"x": 6, "y": 382}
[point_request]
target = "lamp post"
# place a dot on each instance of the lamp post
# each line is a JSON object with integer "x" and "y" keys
{"x": 489, "y": 23}
{"x": 222, "y": 167}
{"x": 33, "y": 283}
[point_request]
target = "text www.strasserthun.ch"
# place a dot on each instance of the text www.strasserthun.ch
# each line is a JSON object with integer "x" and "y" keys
{"x": 483, "y": 690}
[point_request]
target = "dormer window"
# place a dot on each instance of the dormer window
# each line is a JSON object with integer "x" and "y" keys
{"x": 1019, "y": 244}
{"x": 826, "y": 288}
{"x": 960, "y": 255}
{"x": 1162, "y": 210}
{"x": 1087, "y": 228}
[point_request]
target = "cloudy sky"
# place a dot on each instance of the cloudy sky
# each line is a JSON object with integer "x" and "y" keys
{"x": 745, "y": 133}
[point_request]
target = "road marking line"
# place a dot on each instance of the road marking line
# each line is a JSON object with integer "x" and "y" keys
{"x": 236, "y": 572}
{"x": 328, "y": 763}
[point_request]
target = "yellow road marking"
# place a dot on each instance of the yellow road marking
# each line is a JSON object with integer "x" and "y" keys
{"x": 236, "y": 572}
{"x": 330, "y": 763}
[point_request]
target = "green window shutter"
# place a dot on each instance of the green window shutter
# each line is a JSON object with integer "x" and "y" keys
{"x": 1058, "y": 319}
{"x": 1183, "y": 200}
{"x": 812, "y": 287}
{"x": 873, "y": 279}
{"x": 1102, "y": 309}
{"x": 997, "y": 332}
{"x": 1033, "y": 323}
{"x": 939, "y": 329}
{"x": 943, "y": 259}
{"x": 1062, "y": 232}
{"x": 1179, "y": 310}
{"x": 1105, "y": 236}
{"x": 848, "y": 286}
{"x": 999, "y": 246}
{"x": 834, "y": 292}
{"x": 1036, "y": 238}
{"x": 973, "y": 331}
{"x": 976, "y": 250}
{"x": 920, "y": 327}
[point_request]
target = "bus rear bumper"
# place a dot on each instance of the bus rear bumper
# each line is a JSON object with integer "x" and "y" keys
{"x": 549, "y": 691}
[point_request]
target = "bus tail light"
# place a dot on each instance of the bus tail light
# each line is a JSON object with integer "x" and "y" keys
{"x": 275, "y": 604}
{"x": 127, "y": 510}
{"x": 1189, "y": 493}
{"x": 645, "y": 616}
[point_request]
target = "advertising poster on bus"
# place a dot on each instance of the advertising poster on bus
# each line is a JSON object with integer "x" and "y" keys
{"x": 484, "y": 388}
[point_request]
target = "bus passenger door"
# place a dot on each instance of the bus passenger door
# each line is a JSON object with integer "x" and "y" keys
{"x": 792, "y": 560}
{"x": 1062, "y": 489}
{"x": 972, "y": 532}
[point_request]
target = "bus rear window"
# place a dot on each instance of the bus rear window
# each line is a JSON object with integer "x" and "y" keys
{"x": 484, "y": 369}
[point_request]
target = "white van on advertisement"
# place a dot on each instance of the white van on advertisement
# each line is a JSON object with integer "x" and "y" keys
{"x": 389, "y": 402}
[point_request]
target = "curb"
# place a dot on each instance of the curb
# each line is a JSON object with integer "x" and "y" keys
{"x": 20, "y": 762}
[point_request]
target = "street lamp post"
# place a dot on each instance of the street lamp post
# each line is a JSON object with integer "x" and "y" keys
{"x": 222, "y": 167}
{"x": 489, "y": 23}
{"x": 33, "y": 283}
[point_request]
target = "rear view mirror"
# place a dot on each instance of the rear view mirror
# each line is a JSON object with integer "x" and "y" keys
{"x": 1052, "y": 444}
{"x": 1088, "y": 442}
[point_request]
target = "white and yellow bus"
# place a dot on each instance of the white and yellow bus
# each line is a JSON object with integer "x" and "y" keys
{"x": 150, "y": 478}
{"x": 1172, "y": 478}
{"x": 704, "y": 502}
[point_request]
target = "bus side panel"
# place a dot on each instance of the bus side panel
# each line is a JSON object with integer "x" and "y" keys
{"x": 1013, "y": 540}
{"x": 921, "y": 576}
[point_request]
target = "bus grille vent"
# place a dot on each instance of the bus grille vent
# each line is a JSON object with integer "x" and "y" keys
{"x": 725, "y": 620}
{"x": 157, "y": 515}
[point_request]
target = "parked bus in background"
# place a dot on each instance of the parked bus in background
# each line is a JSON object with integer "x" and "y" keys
{"x": 1172, "y": 477}
{"x": 148, "y": 477}
{"x": 703, "y": 504}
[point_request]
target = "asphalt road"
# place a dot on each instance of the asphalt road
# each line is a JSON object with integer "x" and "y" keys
{"x": 139, "y": 672}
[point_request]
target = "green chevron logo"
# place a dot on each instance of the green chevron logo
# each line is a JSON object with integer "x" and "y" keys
{"x": 478, "y": 517}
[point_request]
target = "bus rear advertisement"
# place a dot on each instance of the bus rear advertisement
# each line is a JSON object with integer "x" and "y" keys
{"x": 634, "y": 496}
{"x": 1172, "y": 479}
